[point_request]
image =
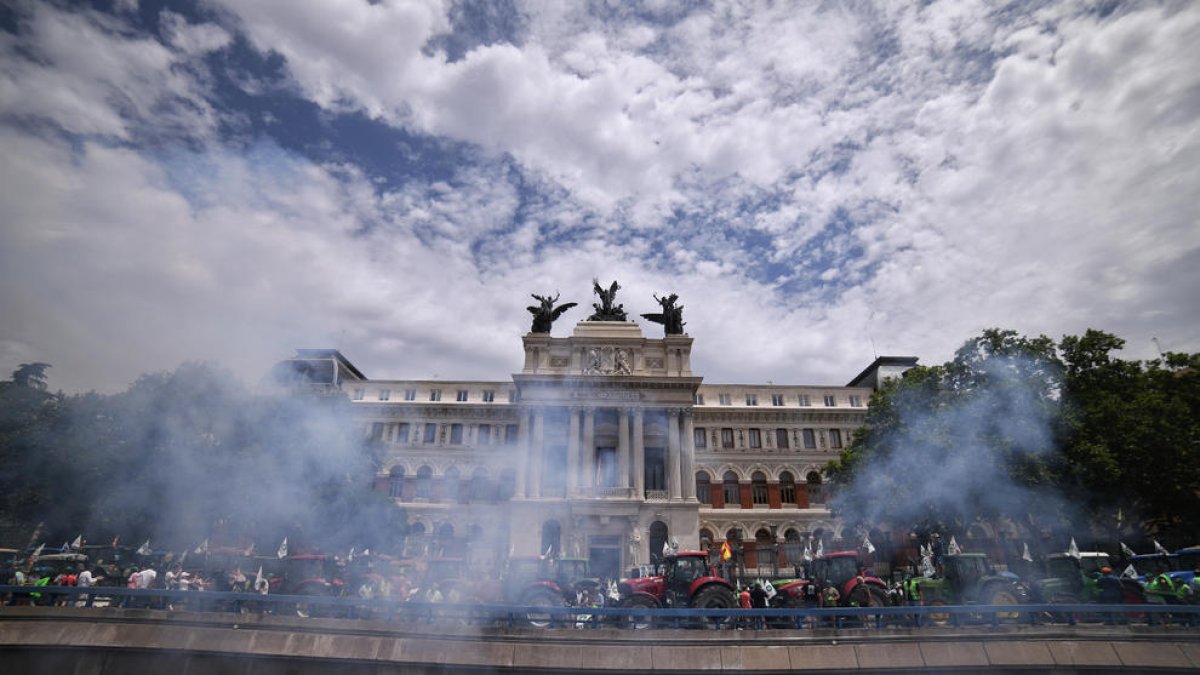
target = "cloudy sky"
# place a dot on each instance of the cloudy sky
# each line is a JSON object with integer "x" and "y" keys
{"x": 228, "y": 180}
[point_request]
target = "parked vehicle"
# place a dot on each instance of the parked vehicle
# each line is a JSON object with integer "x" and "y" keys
{"x": 970, "y": 579}
{"x": 842, "y": 569}
{"x": 1072, "y": 581}
{"x": 688, "y": 580}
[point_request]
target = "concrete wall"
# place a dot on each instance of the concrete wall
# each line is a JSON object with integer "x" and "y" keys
{"x": 100, "y": 642}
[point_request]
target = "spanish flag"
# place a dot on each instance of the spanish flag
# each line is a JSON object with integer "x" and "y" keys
{"x": 726, "y": 553}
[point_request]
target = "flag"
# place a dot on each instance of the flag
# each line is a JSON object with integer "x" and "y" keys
{"x": 202, "y": 548}
{"x": 549, "y": 549}
{"x": 666, "y": 549}
{"x": 1127, "y": 551}
{"x": 1129, "y": 572}
{"x": 249, "y": 549}
{"x": 867, "y": 543}
{"x": 145, "y": 549}
{"x": 820, "y": 549}
{"x": 350, "y": 556}
{"x": 953, "y": 548}
{"x": 769, "y": 588}
{"x": 808, "y": 551}
{"x": 115, "y": 540}
{"x": 1025, "y": 553}
{"x": 927, "y": 569}
{"x": 1073, "y": 550}
{"x": 282, "y": 552}
{"x": 366, "y": 551}
{"x": 184, "y": 556}
{"x": 78, "y": 543}
{"x": 38, "y": 551}
{"x": 260, "y": 582}
{"x": 64, "y": 547}
{"x": 726, "y": 552}
{"x": 1158, "y": 548}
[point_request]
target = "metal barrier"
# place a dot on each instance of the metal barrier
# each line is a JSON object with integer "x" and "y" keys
{"x": 610, "y": 617}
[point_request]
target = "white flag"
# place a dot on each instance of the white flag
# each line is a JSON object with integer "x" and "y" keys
{"x": 820, "y": 549}
{"x": 867, "y": 543}
{"x": 1025, "y": 554}
{"x": 770, "y": 589}
{"x": 1158, "y": 548}
{"x": 927, "y": 569}
{"x": 666, "y": 549}
{"x": 366, "y": 551}
{"x": 38, "y": 551}
{"x": 807, "y": 555}
{"x": 184, "y": 556}
{"x": 145, "y": 549}
{"x": 1129, "y": 573}
{"x": 202, "y": 548}
{"x": 260, "y": 582}
{"x": 282, "y": 552}
{"x": 1127, "y": 551}
{"x": 64, "y": 547}
{"x": 953, "y": 548}
{"x": 546, "y": 555}
{"x": 1073, "y": 550}
{"x": 78, "y": 543}
{"x": 350, "y": 556}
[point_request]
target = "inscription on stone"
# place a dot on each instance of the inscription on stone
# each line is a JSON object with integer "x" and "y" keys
{"x": 560, "y": 361}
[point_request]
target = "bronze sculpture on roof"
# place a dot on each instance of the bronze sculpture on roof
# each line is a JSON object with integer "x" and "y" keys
{"x": 545, "y": 313}
{"x": 605, "y": 310}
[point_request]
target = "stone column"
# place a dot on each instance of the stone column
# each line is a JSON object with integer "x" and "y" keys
{"x": 589, "y": 448}
{"x": 687, "y": 467}
{"x": 573, "y": 453}
{"x": 539, "y": 451}
{"x": 639, "y": 454}
{"x": 623, "y": 447}
{"x": 524, "y": 455}
{"x": 673, "y": 453}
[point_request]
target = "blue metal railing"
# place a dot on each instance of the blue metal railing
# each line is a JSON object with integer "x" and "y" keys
{"x": 806, "y": 618}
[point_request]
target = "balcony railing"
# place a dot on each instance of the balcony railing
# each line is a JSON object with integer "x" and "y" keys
{"x": 656, "y": 495}
{"x": 607, "y": 492}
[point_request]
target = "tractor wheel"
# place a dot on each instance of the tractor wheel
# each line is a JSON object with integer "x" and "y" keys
{"x": 715, "y": 597}
{"x": 866, "y": 595}
{"x": 937, "y": 618}
{"x": 639, "y": 602}
{"x": 1004, "y": 597}
{"x": 541, "y": 597}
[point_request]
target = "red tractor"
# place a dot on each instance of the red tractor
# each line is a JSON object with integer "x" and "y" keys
{"x": 688, "y": 580}
{"x": 842, "y": 569}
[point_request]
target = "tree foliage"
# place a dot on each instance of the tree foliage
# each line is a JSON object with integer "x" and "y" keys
{"x": 189, "y": 455}
{"x": 1033, "y": 431}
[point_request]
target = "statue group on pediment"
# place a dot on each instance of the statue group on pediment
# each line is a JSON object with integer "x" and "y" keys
{"x": 607, "y": 361}
{"x": 546, "y": 311}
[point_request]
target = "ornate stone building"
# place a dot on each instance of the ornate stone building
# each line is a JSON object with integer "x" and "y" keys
{"x": 606, "y": 445}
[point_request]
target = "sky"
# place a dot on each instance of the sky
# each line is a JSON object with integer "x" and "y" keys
{"x": 819, "y": 182}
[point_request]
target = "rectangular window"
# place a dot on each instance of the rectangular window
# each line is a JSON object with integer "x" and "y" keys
{"x": 462, "y": 395}
{"x": 385, "y": 394}
{"x": 727, "y": 438}
{"x": 835, "y": 438}
{"x": 725, "y": 399}
{"x": 777, "y": 399}
{"x": 703, "y": 491}
{"x": 751, "y": 399}
{"x": 810, "y": 439}
{"x": 456, "y": 433}
{"x": 781, "y": 439}
{"x": 489, "y": 396}
{"x": 655, "y": 469}
{"x": 606, "y": 467}
{"x": 787, "y": 492}
{"x": 410, "y": 394}
{"x": 377, "y": 431}
{"x": 402, "y": 431}
{"x": 485, "y": 435}
{"x": 510, "y": 434}
{"x": 699, "y": 400}
{"x": 830, "y": 401}
{"x": 755, "y": 438}
{"x": 856, "y": 401}
{"x": 701, "y": 437}
{"x": 359, "y": 393}
{"x": 435, "y": 394}
{"x": 758, "y": 492}
{"x": 430, "y": 433}
{"x": 804, "y": 400}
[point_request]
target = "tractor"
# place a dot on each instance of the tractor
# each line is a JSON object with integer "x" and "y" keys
{"x": 1072, "y": 581}
{"x": 842, "y": 569}
{"x": 970, "y": 579}
{"x": 537, "y": 582}
{"x": 688, "y": 580}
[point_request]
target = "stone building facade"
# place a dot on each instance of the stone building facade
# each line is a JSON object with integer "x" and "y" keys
{"x": 607, "y": 446}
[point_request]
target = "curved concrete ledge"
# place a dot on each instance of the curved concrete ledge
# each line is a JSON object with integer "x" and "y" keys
{"x": 101, "y": 641}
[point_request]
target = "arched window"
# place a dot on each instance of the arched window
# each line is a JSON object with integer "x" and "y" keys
{"x": 787, "y": 488}
{"x": 758, "y": 487}
{"x": 424, "y": 482}
{"x": 703, "y": 488}
{"x": 396, "y": 482}
{"x": 815, "y": 494}
{"x": 658, "y": 539}
{"x": 551, "y": 538}
{"x": 480, "y": 488}
{"x": 445, "y": 531}
{"x": 706, "y": 538}
{"x": 507, "y": 486}
{"x": 416, "y": 530}
{"x": 452, "y": 484}
{"x": 730, "y": 481}
{"x": 733, "y": 536}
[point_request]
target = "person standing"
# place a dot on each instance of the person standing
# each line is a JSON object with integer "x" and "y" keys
{"x": 758, "y": 600}
{"x": 86, "y": 579}
{"x": 744, "y": 603}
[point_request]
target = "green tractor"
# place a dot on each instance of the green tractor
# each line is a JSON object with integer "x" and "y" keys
{"x": 970, "y": 579}
{"x": 1071, "y": 581}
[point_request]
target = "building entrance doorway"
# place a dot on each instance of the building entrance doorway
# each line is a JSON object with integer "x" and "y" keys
{"x": 604, "y": 554}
